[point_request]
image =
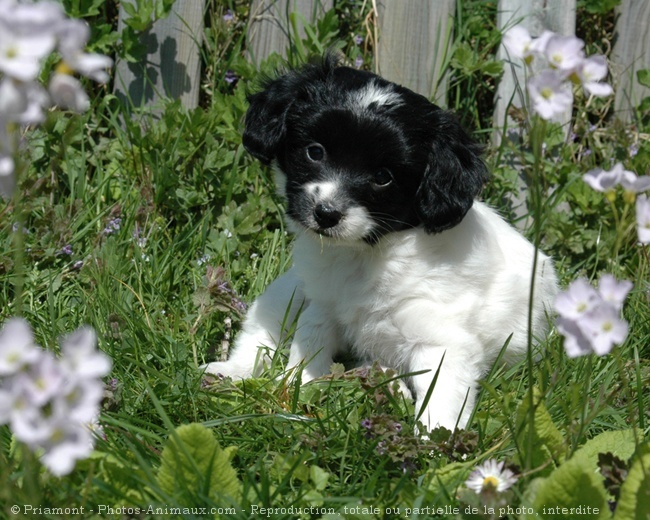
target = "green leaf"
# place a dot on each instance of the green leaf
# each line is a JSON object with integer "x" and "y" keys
{"x": 319, "y": 477}
{"x": 576, "y": 486}
{"x": 444, "y": 481}
{"x": 547, "y": 442}
{"x": 643, "y": 76}
{"x": 634, "y": 501}
{"x": 192, "y": 459}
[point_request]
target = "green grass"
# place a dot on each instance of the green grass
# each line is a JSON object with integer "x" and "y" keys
{"x": 191, "y": 200}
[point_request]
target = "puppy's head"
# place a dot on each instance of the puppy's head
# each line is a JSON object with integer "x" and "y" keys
{"x": 358, "y": 157}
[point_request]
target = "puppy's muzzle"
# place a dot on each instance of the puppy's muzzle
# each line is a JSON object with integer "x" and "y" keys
{"x": 326, "y": 215}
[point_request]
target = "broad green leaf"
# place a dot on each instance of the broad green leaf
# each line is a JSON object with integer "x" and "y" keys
{"x": 319, "y": 477}
{"x": 444, "y": 481}
{"x": 634, "y": 502}
{"x": 572, "y": 491}
{"x": 547, "y": 442}
{"x": 576, "y": 486}
{"x": 644, "y": 77}
{"x": 193, "y": 459}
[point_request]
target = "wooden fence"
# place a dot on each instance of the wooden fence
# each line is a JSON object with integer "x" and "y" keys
{"x": 414, "y": 45}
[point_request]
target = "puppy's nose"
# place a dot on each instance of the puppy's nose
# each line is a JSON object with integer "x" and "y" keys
{"x": 326, "y": 215}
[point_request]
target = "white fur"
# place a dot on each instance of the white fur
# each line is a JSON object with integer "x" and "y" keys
{"x": 405, "y": 302}
{"x": 373, "y": 93}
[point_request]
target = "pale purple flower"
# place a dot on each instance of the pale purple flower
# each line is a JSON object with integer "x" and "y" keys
{"x": 66, "y": 443}
{"x": 491, "y": 476}
{"x": 66, "y": 250}
{"x": 575, "y": 342}
{"x": 589, "y": 319}
{"x": 42, "y": 380}
{"x": 17, "y": 347}
{"x": 113, "y": 226}
{"x": 49, "y": 402}
{"x": 7, "y": 180}
{"x": 517, "y": 42}
{"x": 634, "y": 184}
{"x": 228, "y": 16}
{"x": 23, "y": 46}
{"x": 73, "y": 37}
{"x": 592, "y": 72}
{"x": 579, "y": 298}
{"x": 81, "y": 357}
{"x": 67, "y": 92}
{"x": 358, "y": 39}
{"x": 612, "y": 291}
{"x": 538, "y": 46}
{"x": 550, "y": 94}
{"x": 565, "y": 53}
{"x": 603, "y": 328}
{"x": 358, "y": 62}
{"x": 22, "y": 103}
{"x": 602, "y": 180}
{"x": 643, "y": 218}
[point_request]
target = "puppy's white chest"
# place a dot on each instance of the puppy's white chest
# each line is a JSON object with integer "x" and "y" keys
{"x": 354, "y": 289}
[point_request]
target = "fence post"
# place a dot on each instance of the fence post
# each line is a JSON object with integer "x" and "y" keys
{"x": 269, "y": 29}
{"x": 630, "y": 54}
{"x": 414, "y": 44}
{"x": 171, "y": 67}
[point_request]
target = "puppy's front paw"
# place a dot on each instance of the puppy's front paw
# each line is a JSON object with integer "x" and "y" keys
{"x": 223, "y": 369}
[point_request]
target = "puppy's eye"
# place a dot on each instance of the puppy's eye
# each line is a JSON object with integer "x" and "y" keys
{"x": 315, "y": 152}
{"x": 382, "y": 178}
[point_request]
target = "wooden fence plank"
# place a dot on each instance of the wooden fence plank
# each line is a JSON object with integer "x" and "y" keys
{"x": 414, "y": 42}
{"x": 631, "y": 53}
{"x": 269, "y": 26}
{"x": 172, "y": 65}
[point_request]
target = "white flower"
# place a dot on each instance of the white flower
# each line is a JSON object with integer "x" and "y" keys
{"x": 17, "y": 347}
{"x": 601, "y": 180}
{"x": 67, "y": 442}
{"x": 589, "y": 319}
{"x": 564, "y": 53}
{"x": 643, "y": 219}
{"x": 68, "y": 92}
{"x": 550, "y": 94}
{"x": 539, "y": 44}
{"x": 80, "y": 356}
{"x": 42, "y": 380}
{"x": 634, "y": 184}
{"x": 591, "y": 72}
{"x": 604, "y": 328}
{"x": 49, "y": 402}
{"x": 73, "y": 37}
{"x": 22, "y": 103}
{"x": 27, "y": 36}
{"x": 613, "y": 291}
{"x": 491, "y": 476}
{"x": 517, "y": 41}
{"x": 579, "y": 298}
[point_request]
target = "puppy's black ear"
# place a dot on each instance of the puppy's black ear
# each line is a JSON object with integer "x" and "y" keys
{"x": 454, "y": 175}
{"x": 265, "y": 122}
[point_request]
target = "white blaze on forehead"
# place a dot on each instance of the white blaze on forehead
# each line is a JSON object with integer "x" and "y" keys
{"x": 373, "y": 93}
{"x": 319, "y": 191}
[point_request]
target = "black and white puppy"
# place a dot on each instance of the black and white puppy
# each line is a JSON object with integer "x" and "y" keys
{"x": 393, "y": 257}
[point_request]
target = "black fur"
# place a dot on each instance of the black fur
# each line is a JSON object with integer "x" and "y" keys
{"x": 436, "y": 167}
